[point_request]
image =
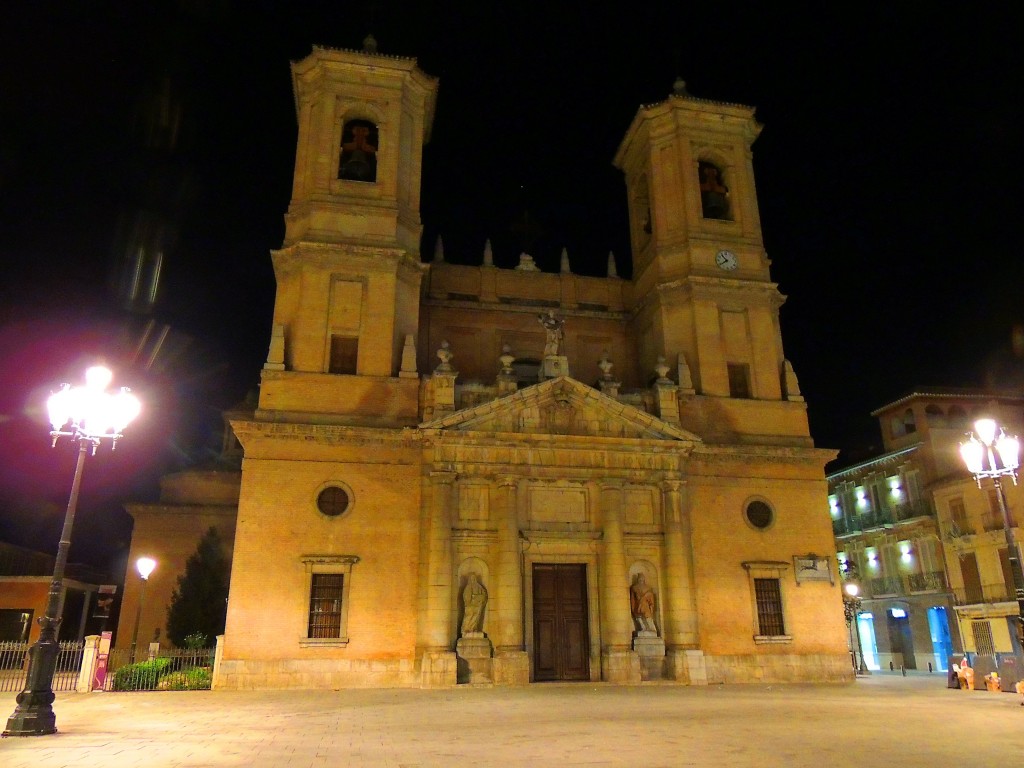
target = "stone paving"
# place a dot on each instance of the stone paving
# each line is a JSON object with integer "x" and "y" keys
{"x": 881, "y": 720}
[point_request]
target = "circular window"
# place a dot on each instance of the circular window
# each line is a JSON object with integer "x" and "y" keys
{"x": 333, "y": 501}
{"x": 759, "y": 514}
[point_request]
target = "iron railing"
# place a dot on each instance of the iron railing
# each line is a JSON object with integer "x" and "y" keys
{"x": 886, "y": 585}
{"x": 986, "y": 593}
{"x": 883, "y": 516}
{"x": 14, "y": 666}
{"x": 933, "y": 581}
{"x": 173, "y": 669}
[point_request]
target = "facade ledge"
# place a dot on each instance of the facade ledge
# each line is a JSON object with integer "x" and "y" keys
{"x": 323, "y": 642}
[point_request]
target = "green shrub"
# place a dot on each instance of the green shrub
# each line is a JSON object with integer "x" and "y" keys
{"x": 141, "y": 676}
{"x": 188, "y": 679}
{"x": 195, "y": 641}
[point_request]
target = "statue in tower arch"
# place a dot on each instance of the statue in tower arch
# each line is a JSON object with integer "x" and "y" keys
{"x": 358, "y": 160}
{"x": 714, "y": 195}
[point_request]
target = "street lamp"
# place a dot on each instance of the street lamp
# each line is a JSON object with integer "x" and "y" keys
{"x": 87, "y": 415}
{"x": 990, "y": 452}
{"x": 145, "y": 566}
{"x": 851, "y": 609}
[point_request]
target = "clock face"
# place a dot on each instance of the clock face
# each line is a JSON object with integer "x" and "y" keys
{"x": 726, "y": 260}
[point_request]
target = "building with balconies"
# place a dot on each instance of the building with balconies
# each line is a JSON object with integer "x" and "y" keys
{"x": 887, "y": 538}
{"x": 978, "y": 564}
{"x": 926, "y": 544}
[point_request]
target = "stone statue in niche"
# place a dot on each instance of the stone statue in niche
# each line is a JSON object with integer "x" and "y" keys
{"x": 474, "y": 599}
{"x": 358, "y": 160}
{"x": 714, "y": 195}
{"x": 553, "y": 328}
{"x": 642, "y": 604}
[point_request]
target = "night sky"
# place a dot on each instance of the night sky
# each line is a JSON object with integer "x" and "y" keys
{"x": 888, "y": 177}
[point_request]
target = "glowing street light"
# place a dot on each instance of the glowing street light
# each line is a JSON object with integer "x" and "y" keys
{"x": 851, "y": 609}
{"x": 145, "y": 566}
{"x": 990, "y": 452}
{"x": 88, "y": 415}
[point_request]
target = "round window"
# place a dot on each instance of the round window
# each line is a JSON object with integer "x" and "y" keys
{"x": 333, "y": 501}
{"x": 759, "y": 514}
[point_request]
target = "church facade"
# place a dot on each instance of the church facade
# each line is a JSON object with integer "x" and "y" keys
{"x": 466, "y": 474}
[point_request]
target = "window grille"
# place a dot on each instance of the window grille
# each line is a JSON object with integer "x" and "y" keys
{"x": 325, "y": 605}
{"x": 769, "y": 607}
{"x": 983, "y": 644}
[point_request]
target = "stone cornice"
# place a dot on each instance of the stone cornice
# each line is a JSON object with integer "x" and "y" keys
{"x": 770, "y": 453}
{"x": 327, "y": 434}
{"x": 328, "y": 255}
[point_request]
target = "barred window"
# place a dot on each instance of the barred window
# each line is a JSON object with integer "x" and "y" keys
{"x": 325, "y": 605}
{"x": 983, "y": 644}
{"x": 769, "y": 607}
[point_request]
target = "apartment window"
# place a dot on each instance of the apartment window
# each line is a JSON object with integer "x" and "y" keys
{"x": 739, "y": 380}
{"x": 330, "y": 583}
{"x": 958, "y": 517}
{"x": 769, "y": 607}
{"x": 993, "y": 505}
{"x": 983, "y": 645}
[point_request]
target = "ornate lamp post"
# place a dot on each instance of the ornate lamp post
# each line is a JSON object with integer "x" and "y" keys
{"x": 990, "y": 452}
{"x": 88, "y": 415}
{"x": 145, "y": 566}
{"x": 851, "y": 609}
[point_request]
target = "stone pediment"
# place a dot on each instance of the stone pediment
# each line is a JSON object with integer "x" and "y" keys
{"x": 561, "y": 406}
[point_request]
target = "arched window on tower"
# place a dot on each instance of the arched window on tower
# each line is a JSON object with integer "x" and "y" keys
{"x": 358, "y": 158}
{"x": 714, "y": 194}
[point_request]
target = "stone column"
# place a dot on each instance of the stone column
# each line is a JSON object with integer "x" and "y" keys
{"x": 685, "y": 659}
{"x": 86, "y": 673}
{"x": 438, "y": 662}
{"x": 619, "y": 663}
{"x": 511, "y": 663}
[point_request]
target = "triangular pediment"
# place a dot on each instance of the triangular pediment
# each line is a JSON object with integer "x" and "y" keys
{"x": 561, "y": 406}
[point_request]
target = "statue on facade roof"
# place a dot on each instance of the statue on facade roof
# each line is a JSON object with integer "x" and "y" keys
{"x": 553, "y": 327}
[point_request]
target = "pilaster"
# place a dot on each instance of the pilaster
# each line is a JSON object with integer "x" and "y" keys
{"x": 619, "y": 663}
{"x": 680, "y": 603}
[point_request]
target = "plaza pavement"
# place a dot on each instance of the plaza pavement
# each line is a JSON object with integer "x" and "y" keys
{"x": 881, "y": 720}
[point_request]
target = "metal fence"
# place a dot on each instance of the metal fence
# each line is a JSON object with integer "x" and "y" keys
{"x": 168, "y": 670}
{"x": 14, "y": 666}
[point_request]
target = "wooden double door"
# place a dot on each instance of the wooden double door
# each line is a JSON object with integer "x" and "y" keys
{"x": 561, "y": 632}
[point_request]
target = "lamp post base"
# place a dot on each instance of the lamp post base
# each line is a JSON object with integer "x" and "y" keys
{"x": 32, "y": 720}
{"x": 34, "y": 714}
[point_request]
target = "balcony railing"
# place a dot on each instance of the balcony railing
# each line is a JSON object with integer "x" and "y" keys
{"x": 886, "y": 585}
{"x": 934, "y": 581}
{"x": 992, "y": 521}
{"x": 986, "y": 593}
{"x": 876, "y": 518}
{"x": 958, "y": 528}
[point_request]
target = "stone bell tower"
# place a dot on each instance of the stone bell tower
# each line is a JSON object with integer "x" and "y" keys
{"x": 704, "y": 293}
{"x": 349, "y": 272}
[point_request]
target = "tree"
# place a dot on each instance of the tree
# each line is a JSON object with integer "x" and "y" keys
{"x": 199, "y": 603}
